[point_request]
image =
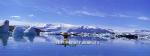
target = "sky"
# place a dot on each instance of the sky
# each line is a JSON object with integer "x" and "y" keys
{"x": 125, "y": 14}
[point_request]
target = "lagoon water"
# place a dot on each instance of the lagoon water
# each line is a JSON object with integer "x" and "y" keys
{"x": 76, "y": 46}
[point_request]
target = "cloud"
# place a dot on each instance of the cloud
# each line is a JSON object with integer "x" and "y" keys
{"x": 97, "y": 13}
{"x": 31, "y": 15}
{"x": 120, "y": 15}
{"x": 80, "y": 12}
{"x": 87, "y": 13}
{"x": 15, "y": 17}
{"x": 134, "y": 26}
{"x": 143, "y": 18}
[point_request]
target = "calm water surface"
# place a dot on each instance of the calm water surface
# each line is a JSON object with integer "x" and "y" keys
{"x": 76, "y": 46}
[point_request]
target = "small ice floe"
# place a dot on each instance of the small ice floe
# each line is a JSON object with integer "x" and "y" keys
{"x": 18, "y": 33}
{"x": 30, "y": 33}
{"x": 4, "y": 32}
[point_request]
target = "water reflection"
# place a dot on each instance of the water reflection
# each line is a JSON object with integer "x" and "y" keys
{"x": 78, "y": 46}
{"x": 66, "y": 40}
{"x": 74, "y": 40}
{"x": 30, "y": 33}
{"x": 4, "y": 32}
{"x": 18, "y": 34}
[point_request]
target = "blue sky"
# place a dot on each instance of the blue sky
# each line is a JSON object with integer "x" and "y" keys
{"x": 117, "y": 13}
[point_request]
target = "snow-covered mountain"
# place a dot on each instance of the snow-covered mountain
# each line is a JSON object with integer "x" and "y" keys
{"x": 142, "y": 31}
{"x": 73, "y": 28}
{"x": 56, "y": 27}
{"x": 62, "y": 27}
{"x": 87, "y": 29}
